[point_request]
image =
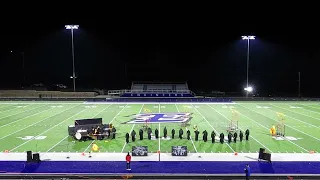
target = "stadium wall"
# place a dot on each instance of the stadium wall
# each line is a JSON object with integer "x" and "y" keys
{"x": 44, "y": 94}
{"x": 155, "y": 100}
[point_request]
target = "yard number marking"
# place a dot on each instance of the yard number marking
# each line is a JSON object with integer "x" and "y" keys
{"x": 33, "y": 137}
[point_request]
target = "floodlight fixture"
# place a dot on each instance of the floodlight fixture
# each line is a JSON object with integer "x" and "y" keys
{"x": 248, "y": 89}
{"x": 248, "y": 37}
{"x": 72, "y": 26}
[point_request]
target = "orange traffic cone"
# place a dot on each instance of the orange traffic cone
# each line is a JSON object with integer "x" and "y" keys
{"x": 235, "y": 153}
{"x": 83, "y": 154}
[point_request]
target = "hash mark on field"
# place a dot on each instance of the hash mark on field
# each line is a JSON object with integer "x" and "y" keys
{"x": 302, "y": 151}
{"x": 286, "y": 151}
{"x": 294, "y": 152}
{"x": 279, "y": 152}
{"x": 249, "y": 152}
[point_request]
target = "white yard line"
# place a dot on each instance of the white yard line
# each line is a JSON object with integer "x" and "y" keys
{"x": 187, "y": 130}
{"x": 211, "y": 126}
{"x": 24, "y": 118}
{"x": 240, "y": 129}
{"x": 125, "y": 143}
{"x": 9, "y": 110}
{"x": 285, "y": 124}
{"x": 68, "y": 135}
{"x": 58, "y": 143}
{"x": 2, "y": 107}
{"x": 297, "y": 113}
{"x": 159, "y": 132}
{"x": 47, "y": 130}
{"x": 159, "y": 140}
{"x": 22, "y": 112}
{"x": 118, "y": 113}
{"x": 89, "y": 146}
{"x": 310, "y": 110}
{"x": 315, "y": 106}
{"x": 268, "y": 128}
{"x": 38, "y": 122}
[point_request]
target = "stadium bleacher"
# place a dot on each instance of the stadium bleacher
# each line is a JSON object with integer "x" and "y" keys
{"x": 155, "y": 90}
{"x": 43, "y": 94}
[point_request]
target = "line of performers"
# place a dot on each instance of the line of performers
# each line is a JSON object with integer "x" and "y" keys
{"x": 231, "y": 136}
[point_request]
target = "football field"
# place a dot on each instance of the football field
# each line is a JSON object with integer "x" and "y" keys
{"x": 43, "y": 126}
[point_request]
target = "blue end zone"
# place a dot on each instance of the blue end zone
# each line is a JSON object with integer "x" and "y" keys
{"x": 160, "y": 167}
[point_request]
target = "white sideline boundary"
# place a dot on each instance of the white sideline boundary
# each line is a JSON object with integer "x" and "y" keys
{"x": 82, "y": 102}
{"x": 158, "y": 103}
{"x": 243, "y": 157}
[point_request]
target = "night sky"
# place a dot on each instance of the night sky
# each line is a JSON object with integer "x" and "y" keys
{"x": 205, "y": 50}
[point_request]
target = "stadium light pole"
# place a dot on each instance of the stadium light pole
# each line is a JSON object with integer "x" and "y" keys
{"x": 72, "y": 27}
{"x": 248, "y": 38}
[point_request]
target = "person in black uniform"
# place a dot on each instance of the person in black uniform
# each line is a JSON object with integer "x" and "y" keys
{"x": 247, "y": 134}
{"x": 235, "y": 135}
{"x": 92, "y": 130}
{"x": 141, "y": 134}
{"x": 149, "y": 133}
{"x": 241, "y": 136}
{"x": 180, "y": 133}
{"x": 99, "y": 132}
{"x": 114, "y": 132}
{"x": 221, "y": 138}
{"x": 133, "y": 135}
{"x": 173, "y": 132}
{"x": 213, "y": 136}
{"x": 156, "y": 133}
{"x": 205, "y": 135}
{"x": 165, "y": 132}
{"x": 196, "y": 135}
{"x": 188, "y": 134}
{"x": 127, "y": 138}
{"x": 229, "y": 137}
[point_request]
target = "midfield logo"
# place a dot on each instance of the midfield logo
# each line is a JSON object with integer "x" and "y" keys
{"x": 160, "y": 118}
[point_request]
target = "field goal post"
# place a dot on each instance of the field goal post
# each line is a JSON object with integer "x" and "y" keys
{"x": 234, "y": 123}
{"x": 146, "y": 123}
{"x": 186, "y": 109}
{"x": 281, "y": 127}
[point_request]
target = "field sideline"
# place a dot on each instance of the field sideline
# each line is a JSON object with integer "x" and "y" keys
{"x": 42, "y": 126}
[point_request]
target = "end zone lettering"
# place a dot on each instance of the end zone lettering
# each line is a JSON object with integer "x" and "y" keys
{"x": 160, "y": 118}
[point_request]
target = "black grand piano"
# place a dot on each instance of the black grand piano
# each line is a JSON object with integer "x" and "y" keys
{"x": 89, "y": 129}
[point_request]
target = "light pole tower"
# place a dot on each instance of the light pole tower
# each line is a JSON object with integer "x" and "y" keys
{"x": 72, "y": 27}
{"x": 248, "y": 38}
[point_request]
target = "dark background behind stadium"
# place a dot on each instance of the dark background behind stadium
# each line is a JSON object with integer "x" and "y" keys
{"x": 204, "y": 49}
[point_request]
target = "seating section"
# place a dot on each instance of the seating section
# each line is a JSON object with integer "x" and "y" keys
{"x": 44, "y": 94}
{"x": 172, "y": 100}
{"x": 154, "y": 90}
